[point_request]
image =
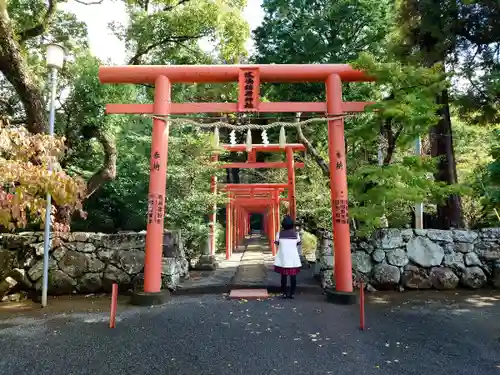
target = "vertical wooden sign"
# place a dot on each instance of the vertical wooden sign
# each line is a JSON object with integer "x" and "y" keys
{"x": 249, "y": 90}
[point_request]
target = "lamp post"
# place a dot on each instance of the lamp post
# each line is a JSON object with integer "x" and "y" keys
{"x": 55, "y": 61}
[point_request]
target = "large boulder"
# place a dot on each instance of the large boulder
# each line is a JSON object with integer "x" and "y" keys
{"x": 455, "y": 261}
{"x": 443, "y": 278}
{"x": 112, "y": 275}
{"x": 74, "y": 263}
{"x": 488, "y": 250}
{"x": 416, "y": 278}
{"x": 463, "y": 247}
{"x": 361, "y": 262}
{"x": 90, "y": 283}
{"x": 131, "y": 261}
{"x": 465, "y": 236}
{"x": 378, "y": 255}
{"x": 472, "y": 259}
{"x": 388, "y": 239}
{"x": 473, "y": 277}
{"x": 59, "y": 283}
{"x": 424, "y": 252}
{"x": 386, "y": 276}
{"x": 397, "y": 257}
{"x": 440, "y": 235}
{"x": 84, "y": 247}
{"x": 36, "y": 271}
{"x": 124, "y": 241}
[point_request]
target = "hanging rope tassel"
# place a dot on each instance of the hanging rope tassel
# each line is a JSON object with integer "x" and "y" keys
{"x": 216, "y": 137}
{"x": 249, "y": 140}
{"x": 282, "y": 137}
{"x": 232, "y": 137}
{"x": 265, "y": 140}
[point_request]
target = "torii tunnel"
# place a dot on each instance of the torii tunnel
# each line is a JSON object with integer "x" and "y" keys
{"x": 249, "y": 78}
{"x": 256, "y": 198}
{"x": 247, "y": 199}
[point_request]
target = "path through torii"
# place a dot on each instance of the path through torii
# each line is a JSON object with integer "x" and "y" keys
{"x": 249, "y": 78}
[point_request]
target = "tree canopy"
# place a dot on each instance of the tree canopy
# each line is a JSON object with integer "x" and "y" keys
{"x": 437, "y": 70}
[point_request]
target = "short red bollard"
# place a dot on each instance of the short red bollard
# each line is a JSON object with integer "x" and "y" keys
{"x": 361, "y": 306}
{"x": 114, "y": 302}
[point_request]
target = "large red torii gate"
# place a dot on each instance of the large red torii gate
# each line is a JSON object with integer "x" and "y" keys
{"x": 249, "y": 78}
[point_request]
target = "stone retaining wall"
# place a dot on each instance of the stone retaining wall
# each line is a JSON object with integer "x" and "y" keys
{"x": 418, "y": 259}
{"x": 85, "y": 262}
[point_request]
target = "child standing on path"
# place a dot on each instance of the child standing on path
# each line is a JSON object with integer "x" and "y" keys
{"x": 287, "y": 261}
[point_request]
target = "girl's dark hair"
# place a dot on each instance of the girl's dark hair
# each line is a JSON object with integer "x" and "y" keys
{"x": 287, "y": 223}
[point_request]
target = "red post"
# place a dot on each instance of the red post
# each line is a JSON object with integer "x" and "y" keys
{"x": 228, "y": 227}
{"x": 233, "y": 226}
{"x": 290, "y": 162}
{"x": 213, "y": 215}
{"x": 114, "y": 303}
{"x": 238, "y": 225}
{"x": 252, "y": 156}
{"x": 276, "y": 198}
{"x": 272, "y": 228}
{"x": 362, "y": 305}
{"x": 157, "y": 188}
{"x": 338, "y": 186}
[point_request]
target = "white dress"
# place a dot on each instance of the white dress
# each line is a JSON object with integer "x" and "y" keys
{"x": 288, "y": 254}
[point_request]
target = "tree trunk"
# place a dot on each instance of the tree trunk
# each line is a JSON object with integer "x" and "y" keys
{"x": 106, "y": 173}
{"x": 450, "y": 213}
{"x": 15, "y": 69}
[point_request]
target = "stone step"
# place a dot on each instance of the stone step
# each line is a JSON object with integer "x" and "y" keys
{"x": 249, "y": 294}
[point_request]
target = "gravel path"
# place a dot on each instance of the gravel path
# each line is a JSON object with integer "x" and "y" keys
{"x": 212, "y": 335}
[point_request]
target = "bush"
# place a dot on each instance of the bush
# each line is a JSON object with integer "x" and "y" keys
{"x": 309, "y": 243}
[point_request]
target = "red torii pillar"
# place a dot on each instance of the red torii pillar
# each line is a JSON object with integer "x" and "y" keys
{"x": 247, "y": 76}
{"x": 292, "y": 203}
{"x": 213, "y": 214}
{"x": 338, "y": 186}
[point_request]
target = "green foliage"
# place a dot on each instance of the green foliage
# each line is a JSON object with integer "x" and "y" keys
{"x": 410, "y": 105}
{"x": 393, "y": 191}
{"x": 309, "y": 243}
{"x": 164, "y": 31}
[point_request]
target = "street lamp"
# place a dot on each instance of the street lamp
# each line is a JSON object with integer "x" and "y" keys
{"x": 55, "y": 61}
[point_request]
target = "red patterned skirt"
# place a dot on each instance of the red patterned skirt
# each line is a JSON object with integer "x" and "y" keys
{"x": 287, "y": 271}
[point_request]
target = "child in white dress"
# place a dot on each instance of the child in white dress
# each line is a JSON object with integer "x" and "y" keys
{"x": 287, "y": 261}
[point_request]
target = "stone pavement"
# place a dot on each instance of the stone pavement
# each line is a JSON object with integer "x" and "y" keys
{"x": 252, "y": 272}
{"x": 417, "y": 333}
{"x": 250, "y": 267}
